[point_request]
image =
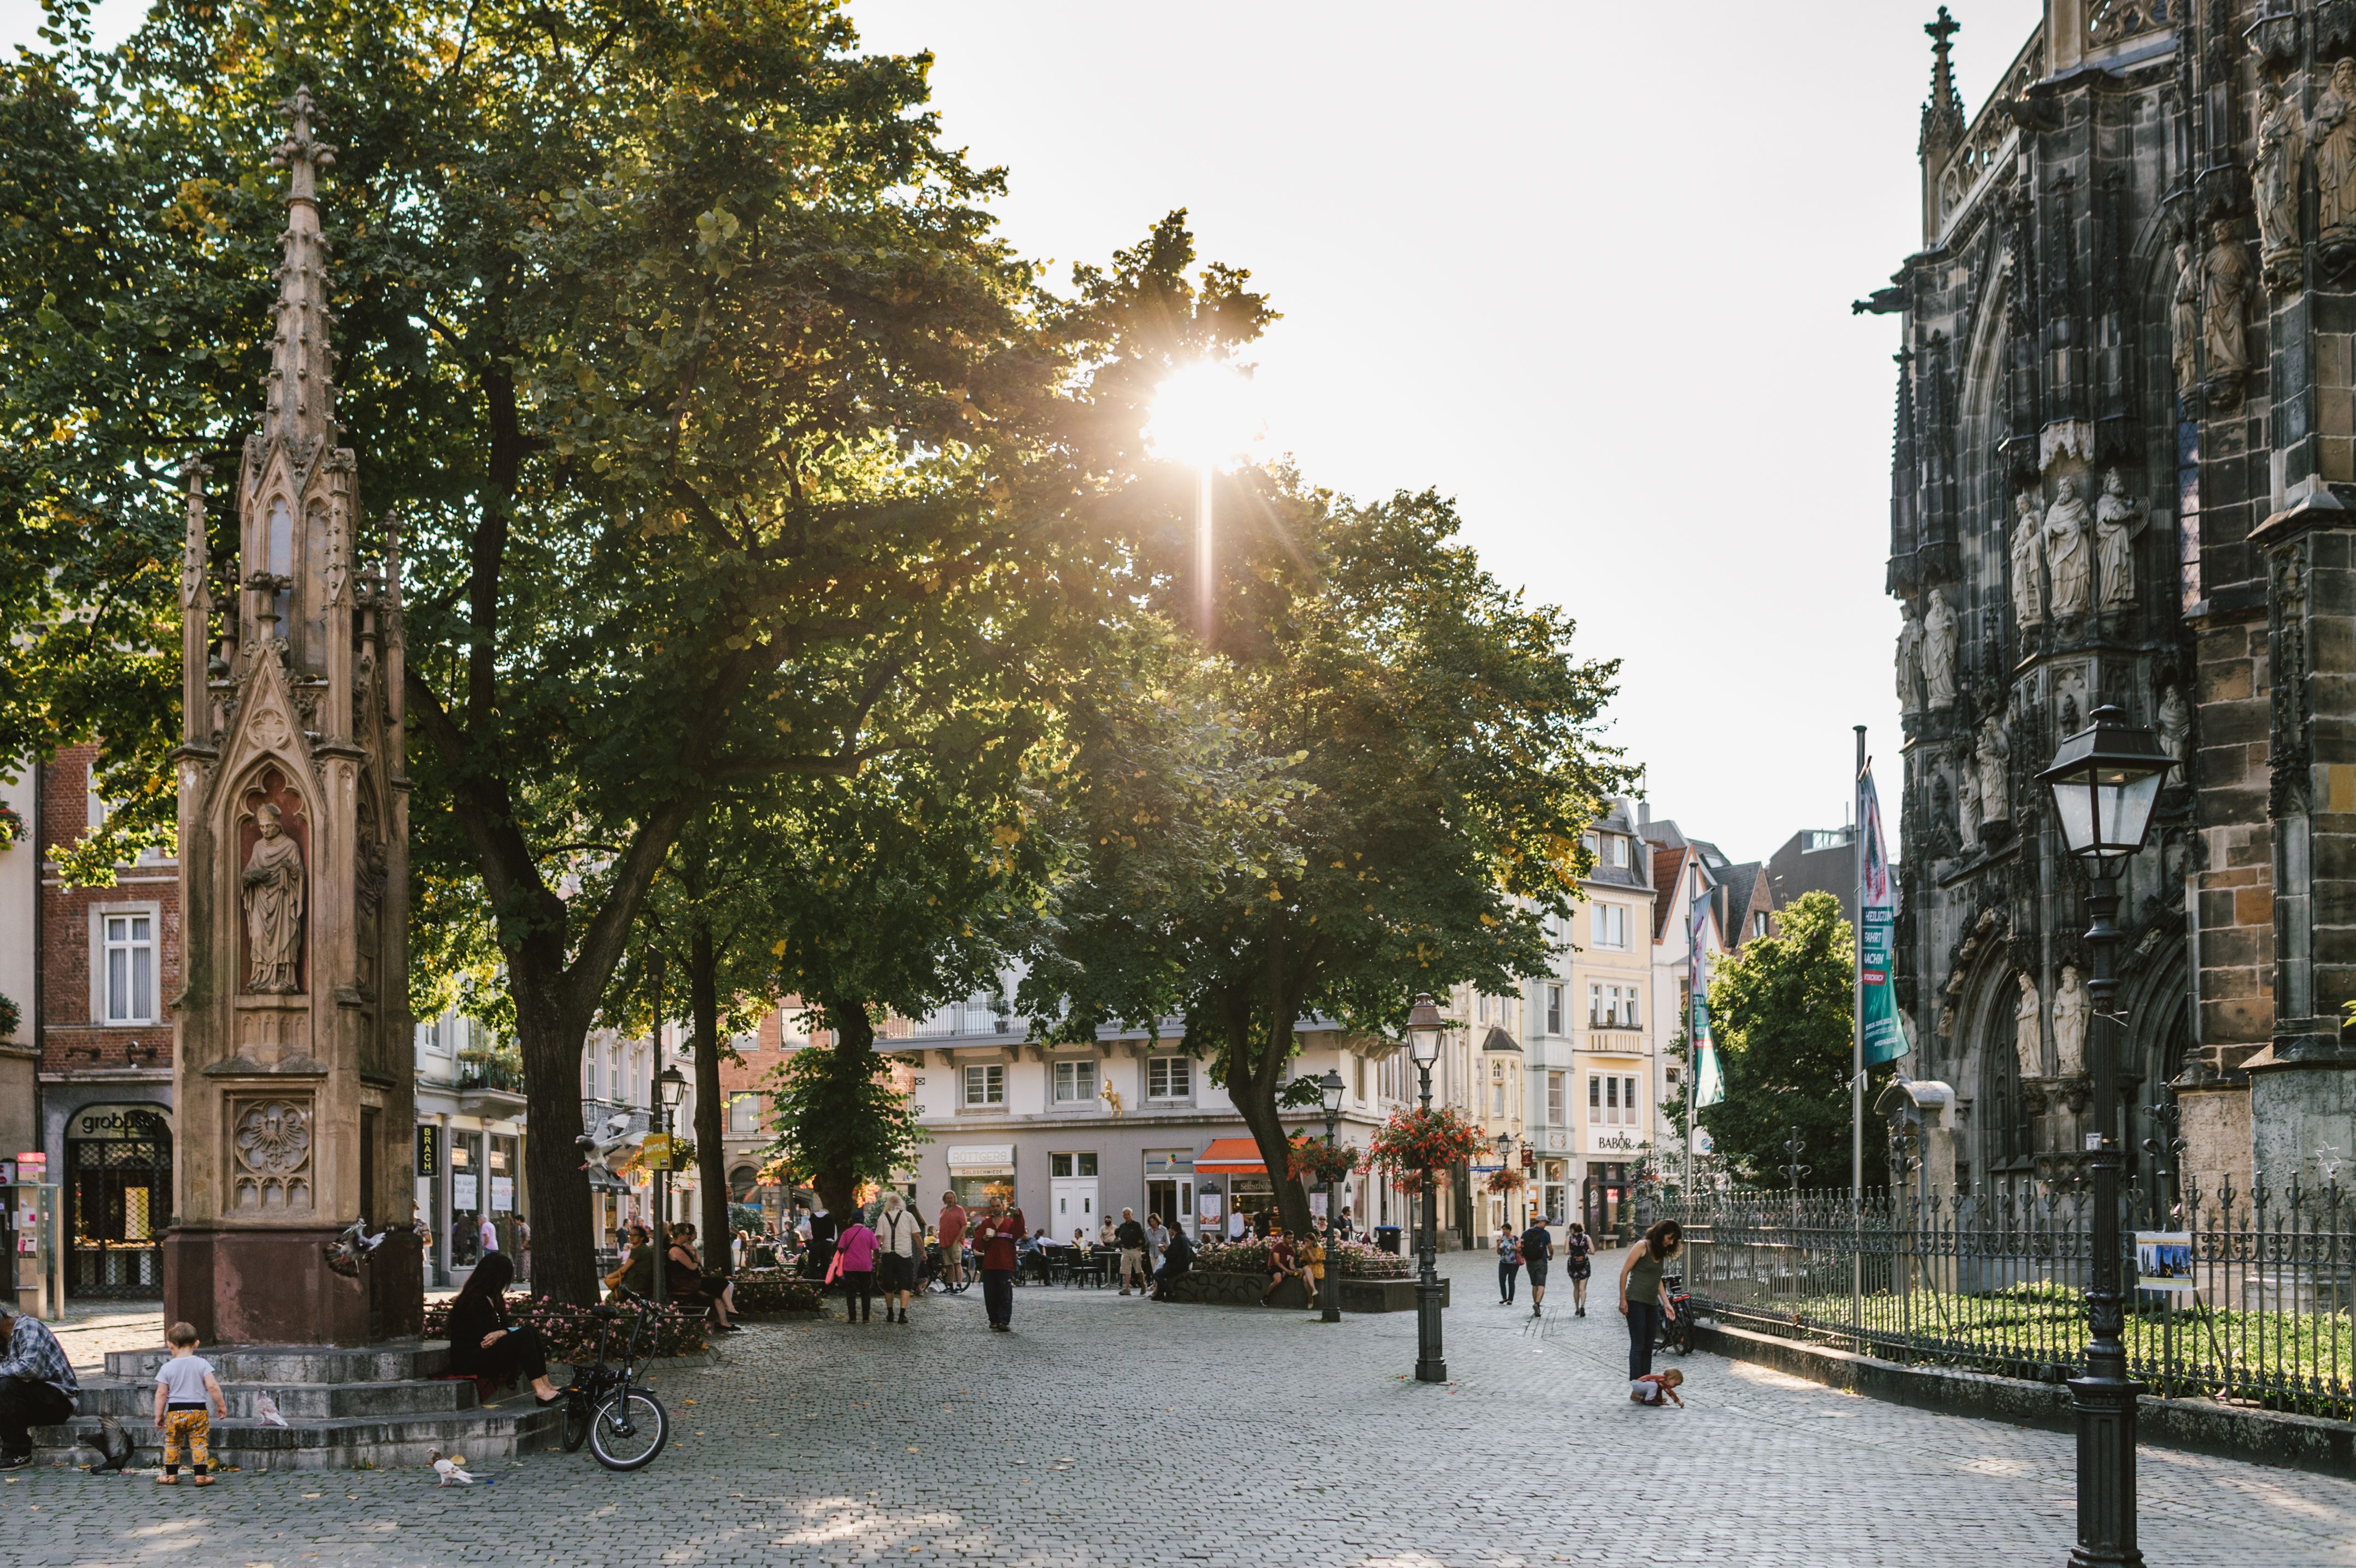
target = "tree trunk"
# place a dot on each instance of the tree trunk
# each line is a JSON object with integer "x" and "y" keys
{"x": 854, "y": 1042}
{"x": 1254, "y": 1093}
{"x": 563, "y": 1243}
{"x": 711, "y": 1158}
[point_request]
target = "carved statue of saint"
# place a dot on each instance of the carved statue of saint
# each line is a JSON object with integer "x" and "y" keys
{"x": 2184, "y": 320}
{"x": 2028, "y": 1030}
{"x": 1909, "y": 661}
{"x": 1970, "y": 772}
{"x": 1995, "y": 752}
{"x": 2226, "y": 286}
{"x": 2175, "y": 726}
{"x": 2275, "y": 183}
{"x": 2028, "y": 563}
{"x": 2333, "y": 130}
{"x": 2068, "y": 561}
{"x": 272, "y": 895}
{"x": 2117, "y": 521}
{"x": 2070, "y": 1008}
{"x": 1939, "y": 639}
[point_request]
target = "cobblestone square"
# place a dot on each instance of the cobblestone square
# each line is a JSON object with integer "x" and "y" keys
{"x": 1112, "y": 1431}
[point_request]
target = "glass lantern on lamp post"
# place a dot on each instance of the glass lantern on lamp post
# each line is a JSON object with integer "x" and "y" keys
{"x": 1330, "y": 1287}
{"x": 2104, "y": 781}
{"x": 1424, "y": 1028}
{"x": 670, "y": 1084}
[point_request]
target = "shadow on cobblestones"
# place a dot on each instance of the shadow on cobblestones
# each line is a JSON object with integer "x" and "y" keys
{"x": 1109, "y": 1432}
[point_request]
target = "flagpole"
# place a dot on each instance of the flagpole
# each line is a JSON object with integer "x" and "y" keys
{"x": 1856, "y": 981}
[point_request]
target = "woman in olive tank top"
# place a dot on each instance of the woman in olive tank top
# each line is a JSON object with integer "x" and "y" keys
{"x": 1643, "y": 1300}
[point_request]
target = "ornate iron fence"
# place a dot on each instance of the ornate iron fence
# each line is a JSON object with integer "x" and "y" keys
{"x": 2257, "y": 1288}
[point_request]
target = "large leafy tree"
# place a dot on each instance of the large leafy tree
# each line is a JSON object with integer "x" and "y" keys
{"x": 1428, "y": 745}
{"x": 1781, "y": 1010}
{"x": 674, "y": 338}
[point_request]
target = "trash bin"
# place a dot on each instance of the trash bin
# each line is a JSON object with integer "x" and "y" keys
{"x": 1386, "y": 1237}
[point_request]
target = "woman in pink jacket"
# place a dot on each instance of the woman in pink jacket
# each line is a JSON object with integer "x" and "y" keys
{"x": 855, "y": 1250}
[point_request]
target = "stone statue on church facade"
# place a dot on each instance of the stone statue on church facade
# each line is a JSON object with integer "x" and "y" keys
{"x": 2072, "y": 1007}
{"x": 1910, "y": 660}
{"x": 2334, "y": 131}
{"x": 2184, "y": 321}
{"x": 2027, "y": 562}
{"x": 2276, "y": 186}
{"x": 2224, "y": 294}
{"x": 2068, "y": 564}
{"x": 2175, "y": 726}
{"x": 1994, "y": 756}
{"x": 1940, "y": 634}
{"x": 2118, "y": 520}
{"x": 1970, "y": 772}
{"x": 2028, "y": 1028}
{"x": 272, "y": 898}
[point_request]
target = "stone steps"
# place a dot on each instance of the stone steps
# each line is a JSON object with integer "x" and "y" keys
{"x": 381, "y": 1406}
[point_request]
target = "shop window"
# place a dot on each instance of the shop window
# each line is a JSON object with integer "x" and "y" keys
{"x": 985, "y": 1086}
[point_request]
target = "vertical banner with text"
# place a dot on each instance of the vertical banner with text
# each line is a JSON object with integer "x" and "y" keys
{"x": 1883, "y": 1031}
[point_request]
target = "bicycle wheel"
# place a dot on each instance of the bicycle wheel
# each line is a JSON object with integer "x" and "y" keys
{"x": 577, "y": 1411}
{"x": 629, "y": 1430}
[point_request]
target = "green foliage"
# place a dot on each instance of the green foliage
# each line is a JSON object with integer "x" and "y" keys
{"x": 838, "y": 1116}
{"x": 776, "y": 1290}
{"x": 571, "y": 1334}
{"x": 1416, "y": 1140}
{"x": 1781, "y": 1010}
{"x": 10, "y": 1017}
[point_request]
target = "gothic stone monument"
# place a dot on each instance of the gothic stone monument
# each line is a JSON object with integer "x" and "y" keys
{"x": 292, "y": 1065}
{"x": 2125, "y": 472}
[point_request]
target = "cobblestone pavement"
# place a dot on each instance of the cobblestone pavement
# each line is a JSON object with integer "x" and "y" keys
{"x": 1108, "y": 1431}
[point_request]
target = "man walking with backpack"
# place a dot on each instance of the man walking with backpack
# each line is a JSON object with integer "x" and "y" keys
{"x": 1537, "y": 1251}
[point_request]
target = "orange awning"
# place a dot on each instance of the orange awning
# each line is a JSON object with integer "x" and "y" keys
{"x": 1230, "y": 1157}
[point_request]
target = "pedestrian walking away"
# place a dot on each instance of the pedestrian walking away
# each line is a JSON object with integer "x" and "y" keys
{"x": 1509, "y": 1263}
{"x": 1579, "y": 1255}
{"x": 1644, "y": 1297}
{"x": 186, "y": 1396}
{"x": 951, "y": 1230}
{"x": 899, "y": 1242}
{"x": 1130, "y": 1236}
{"x": 824, "y": 1231}
{"x": 1537, "y": 1254}
{"x": 998, "y": 1231}
{"x": 854, "y": 1249}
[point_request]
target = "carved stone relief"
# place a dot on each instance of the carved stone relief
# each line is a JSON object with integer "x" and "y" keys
{"x": 272, "y": 1140}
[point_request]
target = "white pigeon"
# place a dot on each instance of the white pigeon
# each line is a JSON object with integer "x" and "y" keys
{"x": 450, "y": 1469}
{"x": 267, "y": 1409}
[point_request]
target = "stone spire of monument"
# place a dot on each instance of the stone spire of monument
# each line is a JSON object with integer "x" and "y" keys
{"x": 1942, "y": 113}
{"x": 302, "y": 402}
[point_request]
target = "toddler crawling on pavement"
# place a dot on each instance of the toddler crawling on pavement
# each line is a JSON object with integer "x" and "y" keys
{"x": 1653, "y": 1387}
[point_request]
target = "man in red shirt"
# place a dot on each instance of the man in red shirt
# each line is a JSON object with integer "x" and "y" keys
{"x": 997, "y": 1231}
{"x": 951, "y": 1230}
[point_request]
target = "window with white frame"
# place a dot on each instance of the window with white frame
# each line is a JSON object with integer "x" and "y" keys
{"x": 1496, "y": 1088}
{"x": 1075, "y": 1081}
{"x": 1610, "y": 926}
{"x": 1166, "y": 1077}
{"x": 744, "y": 1113}
{"x": 129, "y": 968}
{"x": 1358, "y": 1072}
{"x": 1759, "y": 919}
{"x": 1554, "y": 1010}
{"x": 590, "y": 1086}
{"x": 1619, "y": 856}
{"x": 1612, "y": 1007}
{"x": 1611, "y": 1100}
{"x": 985, "y": 1085}
{"x": 1557, "y": 1099}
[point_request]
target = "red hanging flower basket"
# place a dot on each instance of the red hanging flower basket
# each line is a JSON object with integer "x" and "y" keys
{"x": 1308, "y": 1158}
{"x": 1415, "y": 1141}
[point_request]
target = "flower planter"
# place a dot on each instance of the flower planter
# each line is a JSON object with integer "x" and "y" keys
{"x": 1199, "y": 1288}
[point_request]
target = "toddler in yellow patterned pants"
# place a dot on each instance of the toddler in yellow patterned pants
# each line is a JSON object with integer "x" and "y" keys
{"x": 185, "y": 1385}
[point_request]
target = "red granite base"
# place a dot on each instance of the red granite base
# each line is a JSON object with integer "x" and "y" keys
{"x": 263, "y": 1288}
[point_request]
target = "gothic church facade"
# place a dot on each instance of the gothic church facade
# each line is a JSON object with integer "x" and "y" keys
{"x": 2125, "y": 472}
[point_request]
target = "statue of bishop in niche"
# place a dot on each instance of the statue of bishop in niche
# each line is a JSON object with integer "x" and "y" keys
{"x": 273, "y": 896}
{"x": 2118, "y": 520}
{"x": 2067, "y": 561}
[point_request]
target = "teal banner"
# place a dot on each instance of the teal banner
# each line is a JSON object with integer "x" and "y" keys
{"x": 1884, "y": 1033}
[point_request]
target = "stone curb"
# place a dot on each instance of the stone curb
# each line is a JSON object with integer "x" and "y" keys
{"x": 2265, "y": 1437}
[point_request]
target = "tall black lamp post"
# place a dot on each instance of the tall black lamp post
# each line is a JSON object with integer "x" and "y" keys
{"x": 1504, "y": 1199}
{"x": 1330, "y": 1290}
{"x": 670, "y": 1085}
{"x": 1423, "y": 1032}
{"x": 2105, "y": 780}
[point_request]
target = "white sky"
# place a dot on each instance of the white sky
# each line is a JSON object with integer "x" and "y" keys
{"x": 1584, "y": 266}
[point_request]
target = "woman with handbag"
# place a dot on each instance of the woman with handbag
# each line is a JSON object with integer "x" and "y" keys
{"x": 855, "y": 1265}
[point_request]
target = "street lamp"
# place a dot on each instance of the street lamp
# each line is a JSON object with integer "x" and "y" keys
{"x": 2105, "y": 780}
{"x": 670, "y": 1085}
{"x": 1424, "y": 1028}
{"x": 1330, "y": 1087}
{"x": 1203, "y": 418}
